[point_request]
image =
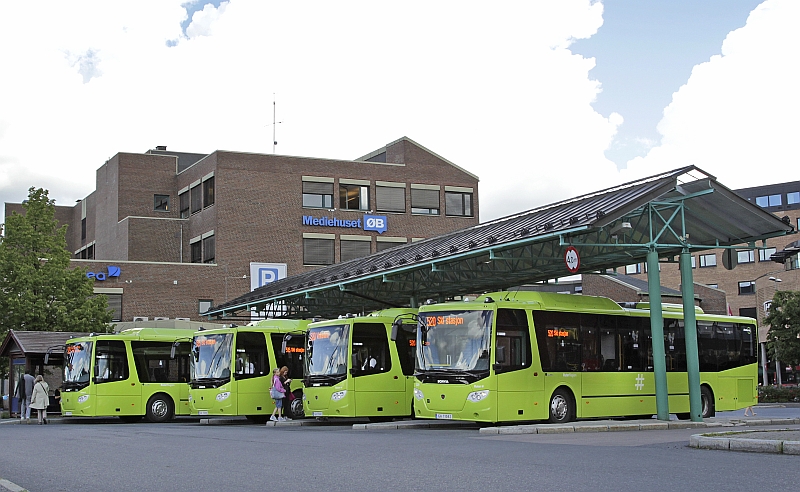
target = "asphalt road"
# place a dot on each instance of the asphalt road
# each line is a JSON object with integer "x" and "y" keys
{"x": 104, "y": 454}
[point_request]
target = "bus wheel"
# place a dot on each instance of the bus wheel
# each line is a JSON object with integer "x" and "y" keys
{"x": 707, "y": 402}
{"x": 131, "y": 419}
{"x": 561, "y": 407}
{"x": 159, "y": 408}
{"x": 296, "y": 408}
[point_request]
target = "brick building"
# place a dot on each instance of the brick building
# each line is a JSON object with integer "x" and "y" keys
{"x": 170, "y": 234}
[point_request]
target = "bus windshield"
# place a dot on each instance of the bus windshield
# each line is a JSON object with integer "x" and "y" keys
{"x": 211, "y": 357}
{"x": 454, "y": 340}
{"x": 77, "y": 365}
{"x": 327, "y": 350}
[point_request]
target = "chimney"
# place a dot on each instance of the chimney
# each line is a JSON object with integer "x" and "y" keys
{"x": 161, "y": 147}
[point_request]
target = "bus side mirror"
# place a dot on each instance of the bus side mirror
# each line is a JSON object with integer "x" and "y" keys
{"x": 500, "y": 355}
{"x": 395, "y": 329}
{"x": 172, "y": 350}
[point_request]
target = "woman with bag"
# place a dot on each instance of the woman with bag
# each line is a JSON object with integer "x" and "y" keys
{"x": 40, "y": 398}
{"x": 287, "y": 393}
{"x": 277, "y": 393}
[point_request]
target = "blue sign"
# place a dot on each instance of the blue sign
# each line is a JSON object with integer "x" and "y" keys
{"x": 371, "y": 222}
{"x": 113, "y": 271}
{"x": 375, "y": 223}
{"x": 330, "y": 222}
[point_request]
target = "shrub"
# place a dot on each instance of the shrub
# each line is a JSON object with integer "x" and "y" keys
{"x": 777, "y": 394}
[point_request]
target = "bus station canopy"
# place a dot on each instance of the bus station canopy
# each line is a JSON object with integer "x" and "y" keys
{"x": 682, "y": 210}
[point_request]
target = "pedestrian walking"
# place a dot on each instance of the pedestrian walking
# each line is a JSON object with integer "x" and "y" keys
{"x": 749, "y": 409}
{"x": 41, "y": 398}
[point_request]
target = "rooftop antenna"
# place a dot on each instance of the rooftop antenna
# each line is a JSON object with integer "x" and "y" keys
{"x": 274, "y": 125}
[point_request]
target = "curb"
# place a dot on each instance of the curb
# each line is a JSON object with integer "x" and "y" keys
{"x": 614, "y": 426}
{"x": 11, "y": 486}
{"x": 711, "y": 441}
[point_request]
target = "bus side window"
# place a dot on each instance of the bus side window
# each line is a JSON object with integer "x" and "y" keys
{"x": 370, "y": 349}
{"x": 251, "y": 355}
{"x": 406, "y": 344}
{"x": 111, "y": 361}
{"x": 513, "y": 344}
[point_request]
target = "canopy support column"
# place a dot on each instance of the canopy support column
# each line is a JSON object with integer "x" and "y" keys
{"x": 657, "y": 331}
{"x": 690, "y": 332}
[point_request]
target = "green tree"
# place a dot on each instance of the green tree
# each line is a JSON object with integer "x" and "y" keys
{"x": 38, "y": 289}
{"x": 783, "y": 343}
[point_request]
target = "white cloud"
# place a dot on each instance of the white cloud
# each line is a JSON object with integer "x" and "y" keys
{"x": 736, "y": 117}
{"x": 494, "y": 89}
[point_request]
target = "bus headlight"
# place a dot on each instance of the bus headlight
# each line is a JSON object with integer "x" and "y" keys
{"x": 83, "y": 398}
{"x": 418, "y": 394}
{"x": 223, "y": 396}
{"x": 477, "y": 396}
{"x": 338, "y": 395}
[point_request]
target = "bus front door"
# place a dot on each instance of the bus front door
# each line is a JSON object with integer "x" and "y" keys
{"x": 118, "y": 391}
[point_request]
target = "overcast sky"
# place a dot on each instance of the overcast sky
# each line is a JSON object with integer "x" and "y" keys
{"x": 511, "y": 91}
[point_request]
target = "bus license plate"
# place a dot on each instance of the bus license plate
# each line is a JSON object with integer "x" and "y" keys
{"x": 67, "y": 414}
{"x": 202, "y": 412}
{"x": 317, "y": 414}
{"x": 444, "y": 416}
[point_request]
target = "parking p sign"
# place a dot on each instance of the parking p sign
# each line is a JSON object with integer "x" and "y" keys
{"x": 265, "y": 273}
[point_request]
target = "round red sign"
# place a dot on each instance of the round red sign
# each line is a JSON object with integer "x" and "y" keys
{"x": 572, "y": 259}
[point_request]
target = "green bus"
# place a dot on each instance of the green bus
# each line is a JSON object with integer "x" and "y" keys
{"x": 519, "y": 356}
{"x": 140, "y": 372}
{"x": 231, "y": 368}
{"x": 360, "y": 366}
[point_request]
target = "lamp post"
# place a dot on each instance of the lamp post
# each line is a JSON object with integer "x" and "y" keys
{"x": 778, "y": 378}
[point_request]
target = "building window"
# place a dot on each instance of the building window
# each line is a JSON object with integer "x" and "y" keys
{"x": 208, "y": 192}
{"x": 83, "y": 228}
{"x": 90, "y": 252}
{"x": 694, "y": 262}
{"x": 747, "y": 288}
{"x": 161, "y": 203}
{"x": 709, "y": 260}
{"x": 458, "y": 204}
{"x": 713, "y": 286}
{"x": 792, "y": 198}
{"x": 317, "y": 195}
{"x": 183, "y": 198}
{"x": 633, "y": 269}
{"x": 204, "y": 305}
{"x": 115, "y": 306}
{"x": 349, "y": 250}
{"x": 390, "y": 199}
{"x": 197, "y": 199}
{"x": 196, "y": 251}
{"x": 424, "y": 201}
{"x": 748, "y": 256}
{"x": 764, "y": 254}
{"x": 384, "y": 245}
{"x": 353, "y": 197}
{"x": 208, "y": 249}
{"x": 768, "y": 201}
{"x": 318, "y": 251}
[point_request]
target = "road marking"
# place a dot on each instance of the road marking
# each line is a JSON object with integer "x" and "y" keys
{"x": 11, "y": 486}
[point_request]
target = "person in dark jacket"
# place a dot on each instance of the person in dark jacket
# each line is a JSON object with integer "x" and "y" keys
{"x": 24, "y": 393}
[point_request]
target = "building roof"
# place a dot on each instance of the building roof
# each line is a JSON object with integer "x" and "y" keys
{"x": 34, "y": 342}
{"x": 685, "y": 208}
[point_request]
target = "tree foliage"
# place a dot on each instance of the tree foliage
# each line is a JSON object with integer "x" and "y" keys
{"x": 784, "y": 327}
{"x": 38, "y": 289}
